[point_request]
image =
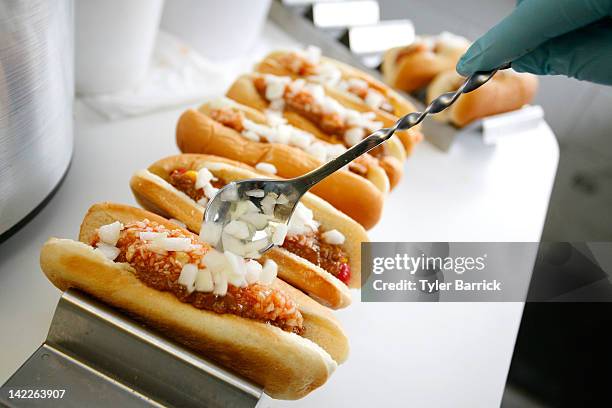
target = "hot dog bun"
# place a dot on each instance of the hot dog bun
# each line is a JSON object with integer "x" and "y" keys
{"x": 274, "y": 64}
{"x": 413, "y": 67}
{"x": 348, "y": 192}
{"x": 506, "y": 91}
{"x": 287, "y": 365}
{"x": 153, "y": 191}
{"x": 243, "y": 91}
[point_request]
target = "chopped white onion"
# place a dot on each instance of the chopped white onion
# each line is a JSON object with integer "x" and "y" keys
{"x": 302, "y": 221}
{"x": 220, "y": 281}
{"x": 109, "y": 234}
{"x": 253, "y": 271}
{"x": 255, "y": 193}
{"x": 210, "y": 191}
{"x": 282, "y": 199}
{"x": 268, "y": 272}
{"x": 204, "y": 281}
{"x": 238, "y": 229}
{"x": 232, "y": 244}
{"x": 266, "y": 167}
{"x": 204, "y": 177}
{"x": 354, "y": 135}
{"x": 203, "y": 201}
{"x": 279, "y": 233}
{"x": 187, "y": 277}
{"x": 215, "y": 261}
{"x": 229, "y": 193}
{"x": 210, "y": 233}
{"x": 374, "y": 99}
{"x": 237, "y": 270}
{"x": 172, "y": 244}
{"x": 333, "y": 237}
{"x": 149, "y": 235}
{"x": 110, "y": 252}
{"x": 268, "y": 203}
{"x": 252, "y": 248}
{"x": 258, "y": 220}
{"x": 243, "y": 207}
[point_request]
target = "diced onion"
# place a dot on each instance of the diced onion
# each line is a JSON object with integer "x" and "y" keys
{"x": 255, "y": 193}
{"x": 266, "y": 167}
{"x": 215, "y": 261}
{"x": 237, "y": 271}
{"x": 233, "y": 244}
{"x": 204, "y": 281}
{"x": 258, "y": 220}
{"x": 172, "y": 244}
{"x": 220, "y": 281}
{"x": 109, "y": 234}
{"x": 302, "y": 221}
{"x": 354, "y": 135}
{"x": 204, "y": 177}
{"x": 238, "y": 229}
{"x": 243, "y": 207}
{"x": 268, "y": 272}
{"x": 253, "y": 271}
{"x": 203, "y": 201}
{"x": 149, "y": 235}
{"x": 210, "y": 191}
{"x": 187, "y": 277}
{"x": 110, "y": 252}
{"x": 210, "y": 232}
{"x": 268, "y": 203}
{"x": 229, "y": 193}
{"x": 282, "y": 199}
{"x": 279, "y": 233}
{"x": 333, "y": 237}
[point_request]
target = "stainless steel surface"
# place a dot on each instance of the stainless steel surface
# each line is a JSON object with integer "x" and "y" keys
{"x": 36, "y": 93}
{"x": 102, "y": 358}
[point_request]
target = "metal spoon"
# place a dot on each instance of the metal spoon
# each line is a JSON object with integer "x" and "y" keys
{"x": 218, "y": 209}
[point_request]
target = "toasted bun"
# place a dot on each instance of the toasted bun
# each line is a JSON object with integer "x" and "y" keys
{"x": 422, "y": 61}
{"x": 243, "y": 91}
{"x": 271, "y": 64}
{"x": 152, "y": 191}
{"x": 348, "y": 192}
{"x": 506, "y": 91}
{"x": 287, "y": 365}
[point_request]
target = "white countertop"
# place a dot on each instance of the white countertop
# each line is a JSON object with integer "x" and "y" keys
{"x": 417, "y": 354}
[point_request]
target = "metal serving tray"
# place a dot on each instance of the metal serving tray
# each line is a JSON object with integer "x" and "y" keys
{"x": 101, "y": 358}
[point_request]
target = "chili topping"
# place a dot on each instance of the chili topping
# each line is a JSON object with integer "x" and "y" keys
{"x": 313, "y": 248}
{"x": 161, "y": 270}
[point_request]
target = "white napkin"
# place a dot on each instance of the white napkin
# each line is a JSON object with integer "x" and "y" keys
{"x": 177, "y": 75}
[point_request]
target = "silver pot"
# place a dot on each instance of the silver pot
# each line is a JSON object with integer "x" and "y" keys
{"x": 36, "y": 96}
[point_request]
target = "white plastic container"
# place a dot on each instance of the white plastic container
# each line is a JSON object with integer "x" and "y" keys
{"x": 216, "y": 29}
{"x": 114, "y": 40}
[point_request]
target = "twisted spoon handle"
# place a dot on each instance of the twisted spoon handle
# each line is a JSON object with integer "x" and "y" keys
{"x": 442, "y": 102}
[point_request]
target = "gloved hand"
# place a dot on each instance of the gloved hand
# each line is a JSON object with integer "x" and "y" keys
{"x": 549, "y": 37}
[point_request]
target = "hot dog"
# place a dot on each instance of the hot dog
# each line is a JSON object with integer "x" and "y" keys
{"x": 353, "y": 88}
{"x": 414, "y": 66}
{"x": 228, "y": 129}
{"x": 307, "y": 106}
{"x": 508, "y": 90}
{"x": 240, "y": 316}
{"x": 321, "y": 252}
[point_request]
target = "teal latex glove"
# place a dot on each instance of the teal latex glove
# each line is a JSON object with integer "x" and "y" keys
{"x": 549, "y": 37}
